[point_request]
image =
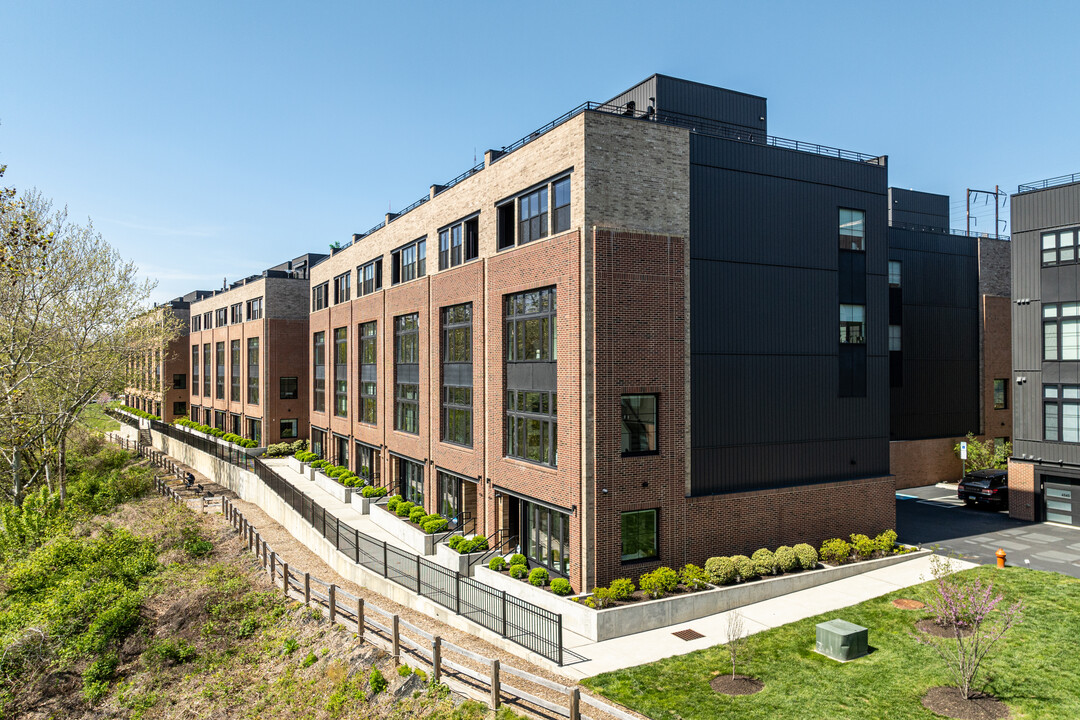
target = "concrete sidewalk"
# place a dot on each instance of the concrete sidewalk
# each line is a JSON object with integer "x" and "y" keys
{"x": 654, "y": 645}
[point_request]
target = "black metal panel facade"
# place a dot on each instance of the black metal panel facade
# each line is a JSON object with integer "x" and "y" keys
{"x": 918, "y": 209}
{"x": 674, "y": 95}
{"x": 938, "y": 393}
{"x": 765, "y": 289}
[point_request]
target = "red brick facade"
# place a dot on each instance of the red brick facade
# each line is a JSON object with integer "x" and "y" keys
{"x": 1022, "y": 496}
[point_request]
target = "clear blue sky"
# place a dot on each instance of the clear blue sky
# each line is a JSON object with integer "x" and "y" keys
{"x": 211, "y": 139}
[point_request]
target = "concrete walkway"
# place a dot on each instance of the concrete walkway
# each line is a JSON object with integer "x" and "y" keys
{"x": 654, "y": 645}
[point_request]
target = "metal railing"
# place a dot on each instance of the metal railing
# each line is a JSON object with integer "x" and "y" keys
{"x": 1049, "y": 182}
{"x": 947, "y": 231}
{"x": 230, "y": 454}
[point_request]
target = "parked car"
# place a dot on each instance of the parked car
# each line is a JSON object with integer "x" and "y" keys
{"x": 985, "y": 487}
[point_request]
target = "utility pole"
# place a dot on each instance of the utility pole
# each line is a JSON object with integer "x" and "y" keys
{"x": 997, "y": 218}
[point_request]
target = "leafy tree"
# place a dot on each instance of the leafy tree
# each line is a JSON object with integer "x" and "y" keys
{"x": 985, "y": 454}
{"x": 23, "y": 235}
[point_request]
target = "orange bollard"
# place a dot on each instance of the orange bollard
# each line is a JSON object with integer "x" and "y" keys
{"x": 1000, "y": 558}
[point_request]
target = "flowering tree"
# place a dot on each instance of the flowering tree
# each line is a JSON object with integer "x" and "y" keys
{"x": 975, "y": 617}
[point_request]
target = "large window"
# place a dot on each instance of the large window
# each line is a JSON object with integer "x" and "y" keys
{"x": 1061, "y": 331}
{"x": 194, "y": 369}
{"x": 450, "y": 495}
{"x": 368, "y": 378}
{"x": 546, "y": 537}
{"x": 459, "y": 243}
{"x": 221, "y": 317}
{"x": 639, "y": 535}
{"x": 411, "y": 481}
{"x": 179, "y": 409}
{"x": 368, "y": 463}
{"x": 1001, "y": 394}
{"x": 561, "y": 217}
{"x": 532, "y": 428}
{"x": 533, "y": 215}
{"x": 196, "y": 323}
{"x": 409, "y": 262}
{"x": 206, "y": 369}
{"x": 253, "y": 371}
{"x": 318, "y": 361}
{"x": 342, "y": 287}
{"x": 236, "y": 313}
{"x": 457, "y": 374}
{"x": 255, "y": 309}
{"x": 1061, "y": 413}
{"x": 369, "y": 277}
{"x": 219, "y": 371}
{"x": 896, "y": 337}
{"x": 255, "y": 430}
{"x": 530, "y": 326}
{"x": 289, "y": 388}
{"x": 852, "y": 229}
{"x": 407, "y": 371}
{"x": 638, "y": 424}
{"x": 219, "y": 420}
{"x": 289, "y": 429}
{"x": 341, "y": 451}
{"x": 1059, "y": 247}
{"x": 179, "y": 381}
{"x": 235, "y": 371}
{"x": 341, "y": 373}
{"x": 318, "y": 441}
{"x": 208, "y": 322}
{"x": 320, "y": 296}
{"x": 852, "y": 324}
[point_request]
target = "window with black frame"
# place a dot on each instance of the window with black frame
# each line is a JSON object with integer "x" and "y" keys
{"x": 368, "y": 380}
{"x": 289, "y": 428}
{"x": 318, "y": 361}
{"x": 532, "y": 426}
{"x": 561, "y": 211}
{"x": 235, "y": 371}
{"x": 457, "y": 375}
{"x": 194, "y": 369}
{"x": 639, "y": 535}
{"x": 288, "y": 388}
{"x": 533, "y": 215}
{"x": 206, "y": 369}
{"x": 530, "y": 326}
{"x": 407, "y": 373}
{"x": 639, "y": 416}
{"x": 219, "y": 374}
{"x": 253, "y": 371}
{"x": 341, "y": 373}
{"x": 411, "y": 481}
{"x": 450, "y": 496}
{"x": 531, "y": 410}
{"x": 318, "y": 441}
{"x": 368, "y": 463}
{"x": 546, "y": 537}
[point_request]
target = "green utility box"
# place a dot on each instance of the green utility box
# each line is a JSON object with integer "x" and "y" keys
{"x": 842, "y": 640}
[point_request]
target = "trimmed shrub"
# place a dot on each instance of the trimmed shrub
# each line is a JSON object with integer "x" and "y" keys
{"x": 622, "y": 589}
{"x": 886, "y": 541}
{"x": 370, "y": 491}
{"x": 693, "y": 577}
{"x": 807, "y": 555}
{"x": 454, "y": 543}
{"x": 601, "y": 598}
{"x": 416, "y": 513}
{"x": 659, "y": 582}
{"x": 518, "y": 559}
{"x": 404, "y": 508}
{"x": 479, "y": 543}
{"x": 305, "y": 456}
{"x": 497, "y": 563}
{"x": 863, "y": 546}
{"x": 835, "y": 551}
{"x": 764, "y": 562}
{"x": 518, "y": 571}
{"x": 786, "y": 561}
{"x": 433, "y": 524}
{"x": 393, "y": 502}
{"x": 538, "y": 577}
{"x": 319, "y": 464}
{"x": 721, "y": 570}
{"x": 745, "y": 567}
{"x": 561, "y": 586}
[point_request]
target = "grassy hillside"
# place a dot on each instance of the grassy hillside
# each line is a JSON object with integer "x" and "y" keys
{"x": 125, "y": 605}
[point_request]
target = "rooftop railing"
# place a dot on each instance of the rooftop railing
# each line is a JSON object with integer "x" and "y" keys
{"x": 1050, "y": 182}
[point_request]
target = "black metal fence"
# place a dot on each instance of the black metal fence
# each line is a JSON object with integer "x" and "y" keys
{"x": 528, "y": 625}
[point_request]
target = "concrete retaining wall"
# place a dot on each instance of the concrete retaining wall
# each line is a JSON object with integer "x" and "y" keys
{"x": 331, "y": 486}
{"x": 403, "y": 530}
{"x": 454, "y": 560}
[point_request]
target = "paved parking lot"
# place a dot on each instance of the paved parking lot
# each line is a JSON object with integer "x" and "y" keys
{"x": 932, "y": 515}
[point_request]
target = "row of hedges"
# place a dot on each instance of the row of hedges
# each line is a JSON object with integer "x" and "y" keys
{"x": 429, "y": 522}
{"x": 285, "y": 449}
{"x": 837, "y": 551}
{"x": 518, "y": 567}
{"x": 137, "y": 412}
{"x": 464, "y": 545}
{"x": 305, "y": 455}
{"x": 740, "y": 568}
{"x": 214, "y": 432}
{"x": 656, "y": 584}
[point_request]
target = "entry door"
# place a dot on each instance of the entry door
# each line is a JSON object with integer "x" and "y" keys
{"x": 1061, "y": 500}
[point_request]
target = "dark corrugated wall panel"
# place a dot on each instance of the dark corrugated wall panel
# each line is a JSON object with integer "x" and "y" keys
{"x": 918, "y": 208}
{"x": 764, "y": 297}
{"x": 640, "y": 94}
{"x": 691, "y": 98}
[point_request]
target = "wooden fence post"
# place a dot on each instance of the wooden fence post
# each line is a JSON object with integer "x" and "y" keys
{"x": 307, "y": 589}
{"x": 273, "y": 570}
{"x": 436, "y": 660}
{"x": 332, "y": 603}
{"x": 494, "y": 684}
{"x": 396, "y": 638}
{"x": 285, "y": 578}
{"x": 360, "y": 619}
{"x": 575, "y": 704}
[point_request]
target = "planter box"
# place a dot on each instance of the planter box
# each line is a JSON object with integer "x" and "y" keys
{"x": 296, "y": 466}
{"x": 364, "y": 504}
{"x": 598, "y": 625}
{"x": 454, "y": 560}
{"x": 410, "y": 535}
{"x": 332, "y": 486}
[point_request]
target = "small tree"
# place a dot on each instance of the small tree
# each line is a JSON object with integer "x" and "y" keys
{"x": 985, "y": 454}
{"x": 970, "y": 611}
{"x": 737, "y": 639}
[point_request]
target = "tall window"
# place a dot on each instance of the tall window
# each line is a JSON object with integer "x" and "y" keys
{"x": 255, "y": 430}
{"x": 342, "y": 287}
{"x": 409, "y": 262}
{"x": 235, "y": 371}
{"x": 546, "y": 536}
{"x": 253, "y": 371}
{"x": 236, "y": 313}
{"x": 341, "y": 451}
{"x": 852, "y": 229}
{"x": 208, "y": 322}
{"x": 895, "y": 338}
{"x": 219, "y": 420}
{"x": 894, "y": 273}
{"x": 319, "y": 296}
{"x": 532, "y": 215}
{"x": 852, "y": 321}
{"x": 318, "y": 441}
{"x": 1061, "y": 413}
{"x": 407, "y": 370}
{"x": 196, "y": 323}
{"x": 341, "y": 373}
{"x": 530, "y": 326}
{"x": 459, "y": 243}
{"x": 1001, "y": 394}
{"x": 221, "y": 317}
{"x": 369, "y": 277}
{"x": 639, "y": 535}
{"x": 206, "y": 369}
{"x": 1059, "y": 247}
{"x": 318, "y": 360}
{"x": 411, "y": 480}
{"x": 219, "y": 374}
{"x": 194, "y": 369}
{"x": 368, "y": 463}
{"x": 368, "y": 378}
{"x": 532, "y": 426}
{"x": 638, "y": 424}
{"x": 561, "y": 215}
{"x": 255, "y": 309}
{"x": 457, "y": 374}
{"x": 1061, "y": 331}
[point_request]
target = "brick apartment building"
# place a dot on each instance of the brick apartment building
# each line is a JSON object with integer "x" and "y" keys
{"x": 161, "y": 375}
{"x": 247, "y": 352}
{"x": 643, "y": 335}
{"x": 1044, "y": 472}
{"x": 949, "y": 324}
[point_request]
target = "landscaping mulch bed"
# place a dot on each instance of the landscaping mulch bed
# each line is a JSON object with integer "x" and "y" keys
{"x": 905, "y": 604}
{"x": 930, "y": 627}
{"x": 738, "y": 685}
{"x": 949, "y": 701}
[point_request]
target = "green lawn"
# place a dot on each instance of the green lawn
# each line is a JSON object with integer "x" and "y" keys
{"x": 94, "y": 417}
{"x": 1035, "y": 669}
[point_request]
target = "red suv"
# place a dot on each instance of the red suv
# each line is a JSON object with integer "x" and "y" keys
{"x": 985, "y": 487}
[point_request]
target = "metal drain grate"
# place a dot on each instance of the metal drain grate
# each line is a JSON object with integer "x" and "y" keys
{"x": 688, "y": 635}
